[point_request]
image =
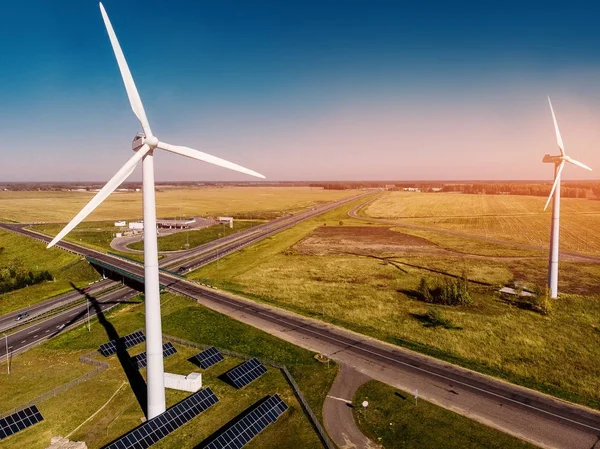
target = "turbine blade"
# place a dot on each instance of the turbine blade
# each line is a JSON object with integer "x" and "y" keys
{"x": 195, "y": 154}
{"x": 556, "y": 182}
{"x": 579, "y": 164}
{"x": 132, "y": 93}
{"x": 110, "y": 186}
{"x": 559, "y": 140}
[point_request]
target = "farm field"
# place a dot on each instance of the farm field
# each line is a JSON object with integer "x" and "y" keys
{"x": 394, "y": 420}
{"x": 510, "y": 217}
{"x": 241, "y": 202}
{"x": 185, "y": 319}
{"x": 63, "y": 266}
{"x": 366, "y": 281}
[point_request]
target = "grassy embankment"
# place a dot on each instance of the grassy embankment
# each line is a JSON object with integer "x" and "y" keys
{"x": 64, "y": 267}
{"x": 58, "y": 360}
{"x": 556, "y": 354}
{"x": 394, "y": 420}
{"x": 177, "y": 241}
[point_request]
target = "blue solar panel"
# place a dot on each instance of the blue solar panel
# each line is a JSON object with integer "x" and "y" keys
{"x": 247, "y": 372}
{"x": 141, "y": 360}
{"x": 208, "y": 357}
{"x": 247, "y": 425}
{"x": 109, "y": 348}
{"x": 155, "y": 429}
{"x": 20, "y": 420}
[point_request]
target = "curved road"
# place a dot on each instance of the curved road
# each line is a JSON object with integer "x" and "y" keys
{"x": 533, "y": 416}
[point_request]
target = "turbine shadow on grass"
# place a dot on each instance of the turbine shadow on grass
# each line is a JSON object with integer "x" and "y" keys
{"x": 135, "y": 378}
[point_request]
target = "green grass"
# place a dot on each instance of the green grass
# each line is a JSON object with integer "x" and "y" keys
{"x": 556, "y": 354}
{"x": 64, "y": 267}
{"x": 93, "y": 234}
{"x": 58, "y": 359}
{"x": 177, "y": 241}
{"x": 394, "y": 420}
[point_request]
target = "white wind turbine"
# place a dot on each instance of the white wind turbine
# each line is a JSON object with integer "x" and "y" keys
{"x": 559, "y": 163}
{"x": 144, "y": 144}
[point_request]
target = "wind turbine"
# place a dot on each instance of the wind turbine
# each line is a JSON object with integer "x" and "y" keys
{"x": 559, "y": 164}
{"x": 144, "y": 145}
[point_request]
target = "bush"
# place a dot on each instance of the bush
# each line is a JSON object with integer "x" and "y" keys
{"x": 435, "y": 318}
{"x": 447, "y": 291}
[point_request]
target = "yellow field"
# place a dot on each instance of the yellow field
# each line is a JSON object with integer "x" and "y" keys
{"x": 508, "y": 217}
{"x": 62, "y": 206}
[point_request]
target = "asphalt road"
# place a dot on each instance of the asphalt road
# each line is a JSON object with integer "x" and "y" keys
{"x": 533, "y": 416}
{"x": 8, "y": 321}
{"x": 56, "y": 324}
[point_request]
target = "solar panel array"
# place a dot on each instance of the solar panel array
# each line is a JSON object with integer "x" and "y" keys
{"x": 20, "y": 420}
{"x": 208, "y": 357}
{"x": 131, "y": 340}
{"x": 159, "y": 427}
{"x": 141, "y": 360}
{"x": 247, "y": 372}
{"x": 248, "y": 425}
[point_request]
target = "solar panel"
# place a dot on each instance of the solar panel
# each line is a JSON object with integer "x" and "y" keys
{"x": 20, "y": 420}
{"x": 141, "y": 360}
{"x": 247, "y": 372}
{"x": 159, "y": 427}
{"x": 131, "y": 340}
{"x": 247, "y": 425}
{"x": 208, "y": 357}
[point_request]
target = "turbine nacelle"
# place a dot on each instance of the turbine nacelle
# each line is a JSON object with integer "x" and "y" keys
{"x": 552, "y": 159}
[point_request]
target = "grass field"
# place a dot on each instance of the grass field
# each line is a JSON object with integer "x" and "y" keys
{"x": 394, "y": 420}
{"x": 64, "y": 267}
{"x": 177, "y": 241}
{"x": 58, "y": 359}
{"x": 372, "y": 295}
{"x": 249, "y": 202}
{"x": 511, "y": 217}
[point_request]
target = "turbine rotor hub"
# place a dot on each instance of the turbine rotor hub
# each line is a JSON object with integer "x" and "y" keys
{"x": 151, "y": 141}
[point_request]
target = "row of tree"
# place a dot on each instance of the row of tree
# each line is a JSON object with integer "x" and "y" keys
{"x": 14, "y": 276}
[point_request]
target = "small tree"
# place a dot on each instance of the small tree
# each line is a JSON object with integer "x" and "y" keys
{"x": 425, "y": 291}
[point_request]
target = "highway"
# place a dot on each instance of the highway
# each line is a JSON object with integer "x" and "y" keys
{"x": 193, "y": 259}
{"x": 8, "y": 322}
{"x": 206, "y": 253}
{"x": 40, "y": 331}
{"x": 533, "y": 416}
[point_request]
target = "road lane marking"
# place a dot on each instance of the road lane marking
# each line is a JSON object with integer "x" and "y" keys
{"x": 35, "y": 330}
{"x": 300, "y": 327}
{"x": 339, "y": 399}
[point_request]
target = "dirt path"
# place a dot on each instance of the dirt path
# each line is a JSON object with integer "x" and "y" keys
{"x": 337, "y": 410}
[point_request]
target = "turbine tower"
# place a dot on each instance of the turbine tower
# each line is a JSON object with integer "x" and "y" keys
{"x": 144, "y": 145}
{"x": 559, "y": 163}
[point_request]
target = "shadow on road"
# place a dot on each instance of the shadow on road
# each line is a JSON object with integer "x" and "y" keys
{"x": 135, "y": 378}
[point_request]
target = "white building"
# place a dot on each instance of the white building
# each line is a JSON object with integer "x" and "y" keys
{"x": 120, "y": 224}
{"x": 191, "y": 382}
{"x": 138, "y": 225}
{"x": 227, "y": 220}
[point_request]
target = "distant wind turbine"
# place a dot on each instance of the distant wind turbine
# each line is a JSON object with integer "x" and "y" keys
{"x": 559, "y": 164}
{"x": 144, "y": 144}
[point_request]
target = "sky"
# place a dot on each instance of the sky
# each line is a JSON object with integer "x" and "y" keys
{"x": 301, "y": 90}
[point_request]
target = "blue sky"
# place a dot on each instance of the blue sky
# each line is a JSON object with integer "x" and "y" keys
{"x": 306, "y": 90}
